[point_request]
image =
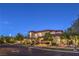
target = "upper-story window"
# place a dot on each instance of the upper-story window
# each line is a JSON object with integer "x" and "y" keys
{"x": 40, "y": 34}
{"x": 36, "y": 35}
{"x": 58, "y": 32}
{"x": 52, "y": 32}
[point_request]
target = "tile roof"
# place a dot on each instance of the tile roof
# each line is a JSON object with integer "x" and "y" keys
{"x": 47, "y": 30}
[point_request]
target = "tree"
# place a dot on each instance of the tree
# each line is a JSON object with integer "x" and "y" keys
{"x": 67, "y": 37}
{"x": 74, "y": 27}
{"x": 78, "y": 39}
{"x": 48, "y": 36}
{"x": 19, "y": 37}
{"x": 2, "y": 38}
{"x": 9, "y": 39}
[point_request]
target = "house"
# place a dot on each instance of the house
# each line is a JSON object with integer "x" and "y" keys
{"x": 37, "y": 34}
{"x": 40, "y": 34}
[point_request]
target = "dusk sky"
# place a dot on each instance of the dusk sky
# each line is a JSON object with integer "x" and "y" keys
{"x": 23, "y": 18}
